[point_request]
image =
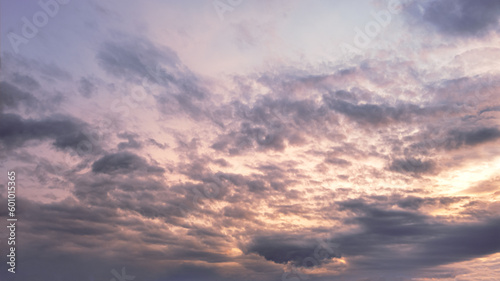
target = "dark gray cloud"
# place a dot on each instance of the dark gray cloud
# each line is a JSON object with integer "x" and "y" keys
{"x": 458, "y": 138}
{"x": 65, "y": 131}
{"x": 238, "y": 213}
{"x": 429, "y": 241}
{"x": 148, "y": 65}
{"x": 135, "y": 59}
{"x": 374, "y": 114}
{"x": 131, "y": 141}
{"x": 123, "y": 163}
{"x": 86, "y": 87}
{"x": 87, "y": 230}
{"x": 26, "y": 81}
{"x": 273, "y": 124}
{"x": 75, "y": 140}
{"x": 11, "y": 97}
{"x": 296, "y": 250}
{"x": 462, "y": 242}
{"x": 415, "y": 203}
{"x": 337, "y": 161}
{"x": 490, "y": 109}
{"x": 463, "y": 17}
{"x": 157, "y": 144}
{"x": 438, "y": 138}
{"x": 249, "y": 137}
{"x": 413, "y": 166}
{"x": 23, "y": 66}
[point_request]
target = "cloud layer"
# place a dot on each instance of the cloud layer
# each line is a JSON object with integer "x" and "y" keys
{"x": 132, "y": 157}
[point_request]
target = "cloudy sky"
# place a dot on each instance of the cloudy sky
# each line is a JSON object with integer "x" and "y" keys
{"x": 251, "y": 140}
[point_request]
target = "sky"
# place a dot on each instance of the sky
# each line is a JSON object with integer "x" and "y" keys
{"x": 251, "y": 140}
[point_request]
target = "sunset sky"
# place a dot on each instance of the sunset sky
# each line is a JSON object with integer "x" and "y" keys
{"x": 251, "y": 140}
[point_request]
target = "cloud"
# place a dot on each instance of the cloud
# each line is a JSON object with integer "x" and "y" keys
{"x": 463, "y": 17}
{"x": 238, "y": 213}
{"x": 462, "y": 242}
{"x": 486, "y": 186}
{"x": 237, "y": 176}
{"x": 86, "y": 88}
{"x": 21, "y": 64}
{"x": 413, "y": 166}
{"x": 337, "y": 161}
{"x": 489, "y": 109}
{"x": 66, "y": 132}
{"x": 298, "y": 251}
{"x": 123, "y": 163}
{"x": 374, "y": 114}
{"x": 160, "y": 73}
{"x": 415, "y": 203}
{"x": 131, "y": 141}
{"x": 11, "y": 97}
{"x": 423, "y": 240}
{"x": 25, "y": 80}
{"x": 272, "y": 124}
{"x": 458, "y": 138}
{"x": 135, "y": 60}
